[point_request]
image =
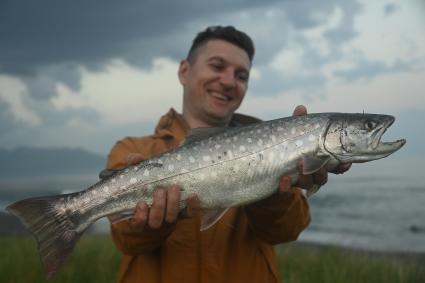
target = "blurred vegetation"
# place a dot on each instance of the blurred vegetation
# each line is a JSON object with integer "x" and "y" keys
{"x": 95, "y": 259}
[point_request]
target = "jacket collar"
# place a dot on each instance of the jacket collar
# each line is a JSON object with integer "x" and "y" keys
{"x": 172, "y": 125}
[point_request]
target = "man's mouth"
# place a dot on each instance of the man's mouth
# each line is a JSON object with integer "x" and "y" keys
{"x": 219, "y": 96}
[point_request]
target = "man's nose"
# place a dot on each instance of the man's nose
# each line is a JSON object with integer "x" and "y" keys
{"x": 228, "y": 79}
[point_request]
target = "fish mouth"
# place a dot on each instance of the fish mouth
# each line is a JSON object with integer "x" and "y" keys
{"x": 385, "y": 148}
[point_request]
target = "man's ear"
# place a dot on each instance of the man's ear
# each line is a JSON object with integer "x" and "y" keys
{"x": 183, "y": 70}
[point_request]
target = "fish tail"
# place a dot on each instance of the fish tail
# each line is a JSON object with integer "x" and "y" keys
{"x": 54, "y": 230}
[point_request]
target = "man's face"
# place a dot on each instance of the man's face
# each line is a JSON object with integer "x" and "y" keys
{"x": 215, "y": 82}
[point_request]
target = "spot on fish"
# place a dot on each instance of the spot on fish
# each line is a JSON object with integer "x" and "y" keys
{"x": 191, "y": 159}
{"x": 299, "y": 143}
{"x": 230, "y": 154}
{"x": 227, "y": 140}
{"x": 273, "y": 138}
{"x": 121, "y": 176}
{"x": 217, "y": 146}
{"x": 282, "y": 155}
{"x": 171, "y": 167}
{"x": 279, "y": 129}
{"x": 271, "y": 156}
{"x": 242, "y": 148}
{"x": 235, "y": 138}
{"x": 206, "y": 158}
{"x": 179, "y": 157}
{"x": 184, "y": 171}
{"x": 311, "y": 137}
{"x": 259, "y": 131}
{"x": 293, "y": 131}
{"x": 249, "y": 140}
{"x": 136, "y": 168}
{"x": 114, "y": 180}
{"x": 214, "y": 174}
{"x": 260, "y": 142}
{"x": 133, "y": 181}
{"x": 317, "y": 126}
{"x": 105, "y": 189}
{"x": 146, "y": 173}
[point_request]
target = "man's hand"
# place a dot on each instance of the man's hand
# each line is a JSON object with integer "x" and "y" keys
{"x": 311, "y": 181}
{"x": 165, "y": 206}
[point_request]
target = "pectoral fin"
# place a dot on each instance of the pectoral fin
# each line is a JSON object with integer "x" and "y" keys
{"x": 212, "y": 216}
{"x": 118, "y": 217}
{"x": 312, "y": 164}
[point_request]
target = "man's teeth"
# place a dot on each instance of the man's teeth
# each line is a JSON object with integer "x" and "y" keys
{"x": 220, "y": 96}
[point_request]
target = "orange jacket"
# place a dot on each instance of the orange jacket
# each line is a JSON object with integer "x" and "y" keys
{"x": 238, "y": 248}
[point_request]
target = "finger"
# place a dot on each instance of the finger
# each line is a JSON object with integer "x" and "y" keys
{"x": 285, "y": 185}
{"x": 304, "y": 181}
{"x": 173, "y": 198}
{"x": 140, "y": 215}
{"x": 134, "y": 158}
{"x": 320, "y": 177}
{"x": 193, "y": 206}
{"x": 157, "y": 211}
{"x": 299, "y": 110}
{"x": 342, "y": 168}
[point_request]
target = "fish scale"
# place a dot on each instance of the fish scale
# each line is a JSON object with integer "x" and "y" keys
{"x": 225, "y": 167}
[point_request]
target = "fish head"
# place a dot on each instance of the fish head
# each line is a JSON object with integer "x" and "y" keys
{"x": 356, "y": 138}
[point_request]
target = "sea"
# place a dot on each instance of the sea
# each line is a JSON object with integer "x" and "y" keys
{"x": 369, "y": 211}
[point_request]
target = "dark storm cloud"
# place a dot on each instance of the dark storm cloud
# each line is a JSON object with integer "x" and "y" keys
{"x": 34, "y": 34}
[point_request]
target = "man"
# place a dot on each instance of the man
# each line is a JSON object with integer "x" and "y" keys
{"x": 161, "y": 245}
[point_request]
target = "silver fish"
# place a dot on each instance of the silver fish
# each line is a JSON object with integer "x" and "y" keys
{"x": 225, "y": 167}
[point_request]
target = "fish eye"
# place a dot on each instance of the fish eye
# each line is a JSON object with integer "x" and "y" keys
{"x": 370, "y": 125}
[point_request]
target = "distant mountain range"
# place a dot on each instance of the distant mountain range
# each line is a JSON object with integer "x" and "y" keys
{"x": 42, "y": 162}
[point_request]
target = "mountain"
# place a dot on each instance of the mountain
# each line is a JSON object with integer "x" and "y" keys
{"x": 42, "y": 162}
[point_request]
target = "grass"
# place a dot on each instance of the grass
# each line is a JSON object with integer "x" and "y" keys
{"x": 95, "y": 259}
{"x": 300, "y": 263}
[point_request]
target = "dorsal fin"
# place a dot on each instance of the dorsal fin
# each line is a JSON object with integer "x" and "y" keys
{"x": 202, "y": 133}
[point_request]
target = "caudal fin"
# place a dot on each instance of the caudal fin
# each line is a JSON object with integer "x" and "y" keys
{"x": 55, "y": 232}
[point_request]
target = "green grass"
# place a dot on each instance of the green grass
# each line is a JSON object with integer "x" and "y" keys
{"x": 95, "y": 259}
{"x": 300, "y": 263}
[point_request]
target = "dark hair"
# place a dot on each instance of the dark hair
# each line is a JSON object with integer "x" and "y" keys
{"x": 228, "y": 33}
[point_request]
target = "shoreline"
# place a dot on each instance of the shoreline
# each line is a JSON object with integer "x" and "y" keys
{"x": 11, "y": 227}
{"x": 406, "y": 256}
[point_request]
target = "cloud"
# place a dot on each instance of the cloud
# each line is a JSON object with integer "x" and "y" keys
{"x": 123, "y": 94}
{"x": 13, "y": 94}
{"x": 389, "y": 93}
{"x": 390, "y": 8}
{"x": 34, "y": 35}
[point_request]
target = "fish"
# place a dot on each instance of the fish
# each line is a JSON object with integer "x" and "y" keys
{"x": 225, "y": 167}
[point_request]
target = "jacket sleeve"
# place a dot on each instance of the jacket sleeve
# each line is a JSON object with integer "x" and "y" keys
{"x": 279, "y": 218}
{"x": 128, "y": 240}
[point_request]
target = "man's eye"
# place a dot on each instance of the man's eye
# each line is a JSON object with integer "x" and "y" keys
{"x": 242, "y": 77}
{"x": 217, "y": 67}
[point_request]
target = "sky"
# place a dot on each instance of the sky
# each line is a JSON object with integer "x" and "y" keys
{"x": 88, "y": 73}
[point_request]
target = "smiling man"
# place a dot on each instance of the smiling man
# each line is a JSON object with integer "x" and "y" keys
{"x": 159, "y": 244}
